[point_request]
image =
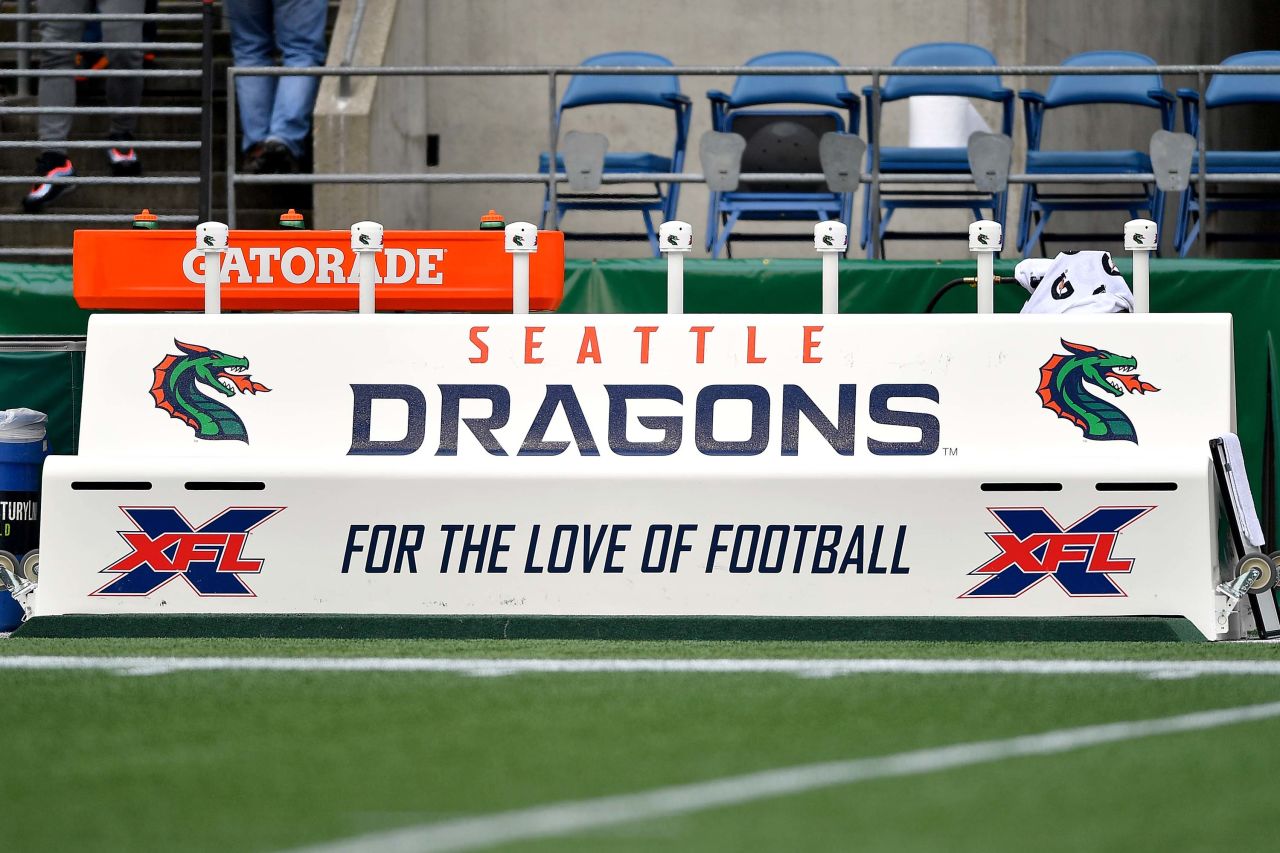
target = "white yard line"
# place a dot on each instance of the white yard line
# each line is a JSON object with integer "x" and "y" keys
{"x": 493, "y": 667}
{"x": 566, "y": 818}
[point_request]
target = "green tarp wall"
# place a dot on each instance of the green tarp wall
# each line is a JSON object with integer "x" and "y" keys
{"x": 36, "y": 299}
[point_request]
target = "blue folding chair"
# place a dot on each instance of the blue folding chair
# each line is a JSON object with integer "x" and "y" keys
{"x": 780, "y": 141}
{"x": 1140, "y": 89}
{"x": 658, "y": 90}
{"x": 1226, "y": 90}
{"x": 944, "y": 161}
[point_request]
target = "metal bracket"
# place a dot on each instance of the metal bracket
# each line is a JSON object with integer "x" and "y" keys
{"x": 721, "y": 156}
{"x": 20, "y": 588}
{"x": 841, "y": 155}
{"x": 584, "y": 159}
{"x": 1171, "y": 156}
{"x": 1229, "y": 595}
{"x": 990, "y": 156}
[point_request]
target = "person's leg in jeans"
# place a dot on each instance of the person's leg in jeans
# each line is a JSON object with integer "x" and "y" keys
{"x": 253, "y": 46}
{"x": 123, "y": 92}
{"x": 55, "y": 92}
{"x": 300, "y": 33}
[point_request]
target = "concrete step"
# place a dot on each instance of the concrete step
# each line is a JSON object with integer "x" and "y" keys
{"x": 117, "y": 198}
{"x": 44, "y": 232}
{"x": 93, "y": 162}
{"x": 95, "y": 126}
{"x": 257, "y": 207}
{"x": 129, "y": 198}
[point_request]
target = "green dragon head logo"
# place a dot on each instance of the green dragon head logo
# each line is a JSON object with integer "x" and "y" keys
{"x": 177, "y": 390}
{"x": 1065, "y": 378}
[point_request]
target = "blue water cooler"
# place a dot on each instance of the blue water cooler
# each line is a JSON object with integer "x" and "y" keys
{"x": 20, "y": 464}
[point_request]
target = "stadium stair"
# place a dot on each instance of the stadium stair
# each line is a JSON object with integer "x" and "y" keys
{"x": 257, "y": 207}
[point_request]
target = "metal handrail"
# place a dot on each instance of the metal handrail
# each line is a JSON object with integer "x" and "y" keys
{"x": 875, "y": 178}
{"x": 27, "y": 43}
{"x": 345, "y": 71}
{"x": 95, "y": 217}
{"x": 697, "y": 178}
{"x": 98, "y": 45}
{"x": 161, "y": 17}
{"x": 90, "y": 180}
{"x": 98, "y": 72}
{"x": 43, "y": 343}
{"x": 349, "y": 52}
{"x": 750, "y": 70}
{"x": 101, "y": 111}
{"x": 99, "y": 143}
{"x": 206, "y": 114}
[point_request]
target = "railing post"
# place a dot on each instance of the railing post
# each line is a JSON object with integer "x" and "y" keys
{"x": 206, "y": 110}
{"x": 675, "y": 239}
{"x": 831, "y": 241}
{"x": 873, "y": 117}
{"x": 521, "y": 242}
{"x": 1140, "y": 238}
{"x": 366, "y": 242}
{"x": 552, "y": 188}
{"x": 230, "y": 170}
{"x": 348, "y": 55}
{"x": 985, "y": 241}
{"x": 211, "y": 241}
{"x": 1201, "y": 180}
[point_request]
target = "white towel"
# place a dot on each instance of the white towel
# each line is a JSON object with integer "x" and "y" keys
{"x": 1085, "y": 282}
{"x": 942, "y": 121}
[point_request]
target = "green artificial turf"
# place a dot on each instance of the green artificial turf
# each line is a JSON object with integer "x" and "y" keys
{"x": 245, "y": 760}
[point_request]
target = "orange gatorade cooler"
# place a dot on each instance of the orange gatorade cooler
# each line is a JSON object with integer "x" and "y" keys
{"x": 303, "y": 270}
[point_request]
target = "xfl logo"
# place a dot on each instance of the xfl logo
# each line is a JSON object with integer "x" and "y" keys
{"x": 1033, "y": 546}
{"x": 164, "y": 545}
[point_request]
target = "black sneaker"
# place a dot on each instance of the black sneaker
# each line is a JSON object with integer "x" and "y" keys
{"x": 49, "y": 164}
{"x": 255, "y": 159}
{"x": 124, "y": 162}
{"x": 279, "y": 159}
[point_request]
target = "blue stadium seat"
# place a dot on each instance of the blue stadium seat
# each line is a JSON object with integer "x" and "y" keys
{"x": 780, "y": 140}
{"x": 1140, "y": 89}
{"x": 945, "y": 161}
{"x": 658, "y": 90}
{"x": 1227, "y": 90}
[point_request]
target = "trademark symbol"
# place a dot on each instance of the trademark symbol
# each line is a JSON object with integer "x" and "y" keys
{"x": 950, "y": 451}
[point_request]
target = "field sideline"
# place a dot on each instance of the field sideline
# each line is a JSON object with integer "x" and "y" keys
{"x": 432, "y": 745}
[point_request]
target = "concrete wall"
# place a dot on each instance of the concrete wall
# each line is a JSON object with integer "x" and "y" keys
{"x": 1172, "y": 33}
{"x": 504, "y": 121}
{"x": 379, "y": 125}
{"x": 500, "y": 123}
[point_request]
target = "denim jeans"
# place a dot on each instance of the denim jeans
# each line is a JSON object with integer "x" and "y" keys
{"x": 277, "y": 107}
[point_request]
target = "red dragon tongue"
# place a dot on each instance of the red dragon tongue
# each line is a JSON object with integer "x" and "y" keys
{"x": 245, "y": 383}
{"x": 1132, "y": 383}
